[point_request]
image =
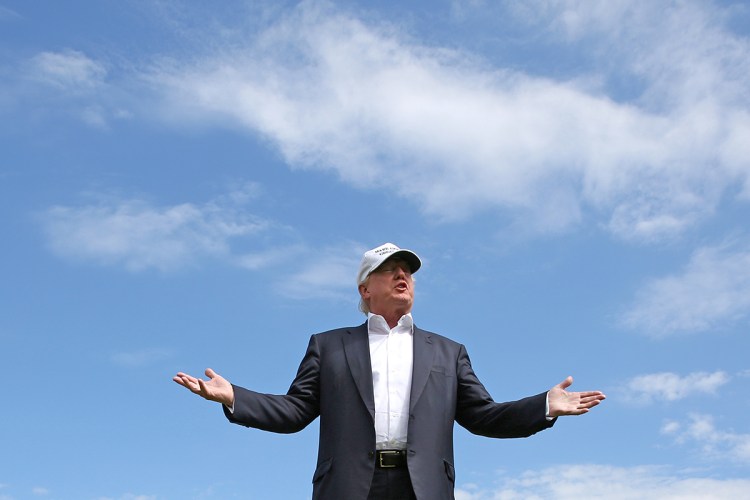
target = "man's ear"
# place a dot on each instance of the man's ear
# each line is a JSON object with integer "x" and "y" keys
{"x": 363, "y": 291}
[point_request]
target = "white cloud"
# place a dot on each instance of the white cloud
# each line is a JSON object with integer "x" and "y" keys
{"x": 38, "y": 490}
{"x": 138, "y": 235}
{"x": 271, "y": 258}
{"x": 608, "y": 482}
{"x": 672, "y": 387}
{"x": 134, "y": 359}
{"x": 130, "y": 496}
{"x": 6, "y": 13}
{"x": 70, "y": 70}
{"x": 72, "y": 82}
{"x": 712, "y": 291}
{"x": 456, "y": 137}
{"x": 326, "y": 273}
{"x": 311, "y": 272}
{"x": 712, "y": 442}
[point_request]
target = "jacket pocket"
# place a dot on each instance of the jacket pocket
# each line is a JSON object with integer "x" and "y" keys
{"x": 322, "y": 469}
{"x": 450, "y": 471}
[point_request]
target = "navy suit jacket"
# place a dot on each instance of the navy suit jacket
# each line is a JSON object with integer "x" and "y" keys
{"x": 334, "y": 381}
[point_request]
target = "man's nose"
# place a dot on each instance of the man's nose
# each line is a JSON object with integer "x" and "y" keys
{"x": 400, "y": 272}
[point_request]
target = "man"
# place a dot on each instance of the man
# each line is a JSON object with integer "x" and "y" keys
{"x": 387, "y": 394}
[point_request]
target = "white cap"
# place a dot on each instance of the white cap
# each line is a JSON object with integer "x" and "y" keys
{"x": 373, "y": 258}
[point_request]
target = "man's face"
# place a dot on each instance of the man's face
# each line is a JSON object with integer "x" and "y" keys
{"x": 389, "y": 288}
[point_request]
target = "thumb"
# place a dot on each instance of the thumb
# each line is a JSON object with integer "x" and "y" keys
{"x": 210, "y": 373}
{"x": 562, "y": 385}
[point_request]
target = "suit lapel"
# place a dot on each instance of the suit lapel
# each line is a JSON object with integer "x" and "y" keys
{"x": 423, "y": 357}
{"x": 357, "y": 349}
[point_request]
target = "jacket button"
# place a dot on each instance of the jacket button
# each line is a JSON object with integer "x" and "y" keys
{"x": 371, "y": 454}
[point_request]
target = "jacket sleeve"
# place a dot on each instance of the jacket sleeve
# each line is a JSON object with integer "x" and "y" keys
{"x": 284, "y": 413}
{"x": 480, "y": 414}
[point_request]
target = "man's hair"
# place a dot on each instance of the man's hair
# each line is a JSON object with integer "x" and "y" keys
{"x": 364, "y": 306}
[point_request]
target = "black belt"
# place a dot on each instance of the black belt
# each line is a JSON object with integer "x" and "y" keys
{"x": 389, "y": 459}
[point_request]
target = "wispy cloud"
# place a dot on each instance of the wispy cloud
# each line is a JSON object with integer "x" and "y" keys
{"x": 712, "y": 442}
{"x": 455, "y": 136}
{"x": 644, "y": 148}
{"x": 668, "y": 386}
{"x": 326, "y": 273}
{"x": 139, "y": 358}
{"x": 138, "y": 235}
{"x": 130, "y": 496}
{"x": 69, "y": 81}
{"x": 70, "y": 70}
{"x": 573, "y": 482}
{"x": 712, "y": 291}
{"x": 6, "y": 13}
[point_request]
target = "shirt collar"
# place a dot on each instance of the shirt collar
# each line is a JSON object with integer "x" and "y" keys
{"x": 377, "y": 324}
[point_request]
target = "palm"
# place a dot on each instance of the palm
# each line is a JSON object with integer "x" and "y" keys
{"x": 216, "y": 388}
{"x": 562, "y": 402}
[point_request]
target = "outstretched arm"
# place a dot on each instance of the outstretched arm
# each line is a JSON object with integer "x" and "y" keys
{"x": 562, "y": 402}
{"x": 216, "y": 388}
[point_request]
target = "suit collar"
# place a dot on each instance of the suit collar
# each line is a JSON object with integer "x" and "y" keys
{"x": 357, "y": 349}
{"x": 423, "y": 356}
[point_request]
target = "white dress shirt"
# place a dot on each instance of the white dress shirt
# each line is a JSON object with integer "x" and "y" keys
{"x": 392, "y": 358}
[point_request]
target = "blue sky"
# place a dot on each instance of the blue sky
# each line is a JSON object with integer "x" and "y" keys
{"x": 187, "y": 185}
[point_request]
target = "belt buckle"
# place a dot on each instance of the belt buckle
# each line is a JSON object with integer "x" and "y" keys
{"x": 387, "y": 452}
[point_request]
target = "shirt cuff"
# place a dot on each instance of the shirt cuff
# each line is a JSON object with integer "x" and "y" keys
{"x": 546, "y": 408}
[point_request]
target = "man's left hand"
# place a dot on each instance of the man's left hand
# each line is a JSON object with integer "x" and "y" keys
{"x": 562, "y": 402}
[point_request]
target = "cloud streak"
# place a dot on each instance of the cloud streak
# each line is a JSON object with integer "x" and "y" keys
{"x": 457, "y": 137}
{"x": 712, "y": 291}
{"x": 326, "y": 273}
{"x": 712, "y": 442}
{"x": 670, "y": 387}
{"x": 69, "y": 70}
{"x": 138, "y": 235}
{"x": 141, "y": 236}
{"x": 569, "y": 482}
{"x": 143, "y": 357}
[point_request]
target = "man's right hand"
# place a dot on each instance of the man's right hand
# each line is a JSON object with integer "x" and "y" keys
{"x": 216, "y": 388}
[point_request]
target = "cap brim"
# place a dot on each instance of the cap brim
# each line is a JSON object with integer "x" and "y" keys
{"x": 410, "y": 258}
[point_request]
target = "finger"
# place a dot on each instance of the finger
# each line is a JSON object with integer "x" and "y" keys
{"x": 590, "y": 394}
{"x": 181, "y": 379}
{"x": 565, "y": 383}
{"x": 185, "y": 376}
{"x": 210, "y": 373}
{"x": 589, "y": 404}
{"x": 191, "y": 383}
